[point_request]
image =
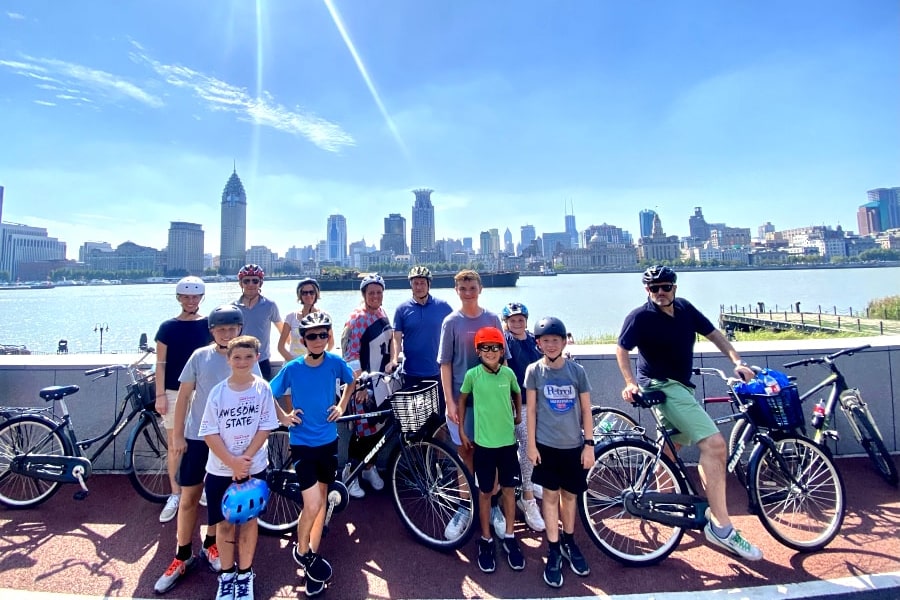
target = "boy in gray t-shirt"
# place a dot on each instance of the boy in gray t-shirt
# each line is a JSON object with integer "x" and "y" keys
{"x": 558, "y": 404}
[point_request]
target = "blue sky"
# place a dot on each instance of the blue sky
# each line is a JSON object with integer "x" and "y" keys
{"x": 118, "y": 118}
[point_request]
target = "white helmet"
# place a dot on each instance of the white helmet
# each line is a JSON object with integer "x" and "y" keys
{"x": 190, "y": 286}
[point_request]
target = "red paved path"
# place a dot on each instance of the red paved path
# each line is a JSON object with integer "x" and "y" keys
{"x": 112, "y": 544}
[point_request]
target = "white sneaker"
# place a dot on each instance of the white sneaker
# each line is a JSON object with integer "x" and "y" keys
{"x": 532, "y": 514}
{"x": 499, "y": 522}
{"x": 457, "y": 524}
{"x": 353, "y": 487}
{"x": 226, "y": 586}
{"x": 374, "y": 479}
{"x": 243, "y": 586}
{"x": 538, "y": 492}
{"x": 170, "y": 509}
{"x": 203, "y": 498}
{"x": 734, "y": 543}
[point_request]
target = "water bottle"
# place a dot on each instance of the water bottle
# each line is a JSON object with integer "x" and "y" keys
{"x": 604, "y": 427}
{"x": 771, "y": 386}
{"x": 818, "y": 415}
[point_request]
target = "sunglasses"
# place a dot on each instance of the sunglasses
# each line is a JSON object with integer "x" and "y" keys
{"x": 666, "y": 287}
{"x": 316, "y": 336}
{"x": 307, "y": 292}
{"x": 253, "y": 280}
{"x": 490, "y": 347}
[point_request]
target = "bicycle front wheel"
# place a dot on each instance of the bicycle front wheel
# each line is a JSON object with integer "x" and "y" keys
{"x": 283, "y": 510}
{"x": 31, "y": 435}
{"x": 434, "y": 494}
{"x": 608, "y": 422}
{"x": 148, "y": 459}
{"x": 871, "y": 440}
{"x": 625, "y": 467}
{"x": 798, "y": 493}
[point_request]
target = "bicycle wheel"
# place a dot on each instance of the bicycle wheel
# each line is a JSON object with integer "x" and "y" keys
{"x": 798, "y": 493}
{"x": 35, "y": 436}
{"x": 283, "y": 510}
{"x": 623, "y": 467}
{"x": 147, "y": 458}
{"x": 607, "y": 422}
{"x": 430, "y": 485}
{"x": 871, "y": 440}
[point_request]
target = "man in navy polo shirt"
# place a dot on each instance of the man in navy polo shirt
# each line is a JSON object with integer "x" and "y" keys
{"x": 663, "y": 330}
{"x": 417, "y": 331}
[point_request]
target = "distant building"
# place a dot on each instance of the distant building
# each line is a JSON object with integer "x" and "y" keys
{"x": 646, "y": 217}
{"x": 555, "y": 243}
{"x": 764, "y": 229}
{"x": 508, "y": 242}
{"x": 699, "y": 229}
{"x": 495, "y": 241}
{"x": 527, "y": 236}
{"x": 127, "y": 259}
{"x": 25, "y": 244}
{"x": 868, "y": 219}
{"x": 729, "y": 237}
{"x": 233, "y": 245}
{"x": 422, "y": 232}
{"x": 485, "y": 247}
{"x": 262, "y": 256}
{"x": 888, "y": 201}
{"x": 394, "y": 238}
{"x": 658, "y": 247}
{"x": 572, "y": 230}
{"x": 605, "y": 233}
{"x": 336, "y": 239}
{"x": 87, "y": 247}
{"x": 185, "y": 250}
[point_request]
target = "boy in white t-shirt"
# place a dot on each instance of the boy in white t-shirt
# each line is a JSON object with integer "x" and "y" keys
{"x": 240, "y": 413}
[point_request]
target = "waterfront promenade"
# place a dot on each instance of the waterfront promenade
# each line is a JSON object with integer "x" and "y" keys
{"x": 111, "y": 544}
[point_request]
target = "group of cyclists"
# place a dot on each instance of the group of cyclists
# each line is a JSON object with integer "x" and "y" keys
{"x": 535, "y": 435}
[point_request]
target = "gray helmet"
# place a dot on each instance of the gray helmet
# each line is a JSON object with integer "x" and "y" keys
{"x": 227, "y": 314}
{"x": 190, "y": 286}
{"x": 659, "y": 274}
{"x": 314, "y": 321}
{"x": 550, "y": 326}
{"x": 312, "y": 282}
{"x": 369, "y": 279}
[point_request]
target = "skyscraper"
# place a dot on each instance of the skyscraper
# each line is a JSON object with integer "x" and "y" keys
{"x": 868, "y": 219}
{"x": 507, "y": 242}
{"x": 571, "y": 229}
{"x": 184, "y": 253}
{"x": 646, "y": 220}
{"x": 528, "y": 235}
{"x": 422, "y": 233}
{"x": 698, "y": 226}
{"x": 394, "y": 238}
{"x": 233, "y": 245}
{"x": 888, "y": 200}
{"x": 336, "y": 239}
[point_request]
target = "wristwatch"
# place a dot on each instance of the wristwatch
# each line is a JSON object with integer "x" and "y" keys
{"x": 589, "y": 442}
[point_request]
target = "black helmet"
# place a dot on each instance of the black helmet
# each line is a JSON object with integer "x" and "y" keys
{"x": 420, "y": 271}
{"x": 227, "y": 314}
{"x": 550, "y": 326}
{"x": 315, "y": 320}
{"x": 312, "y": 282}
{"x": 659, "y": 274}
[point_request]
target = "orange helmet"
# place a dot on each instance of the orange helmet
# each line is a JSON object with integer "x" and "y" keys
{"x": 489, "y": 335}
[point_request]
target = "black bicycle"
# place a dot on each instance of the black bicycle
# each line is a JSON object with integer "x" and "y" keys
{"x": 39, "y": 451}
{"x": 428, "y": 482}
{"x": 851, "y": 403}
{"x": 639, "y": 500}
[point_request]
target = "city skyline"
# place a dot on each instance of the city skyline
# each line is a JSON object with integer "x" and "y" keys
{"x": 754, "y": 112}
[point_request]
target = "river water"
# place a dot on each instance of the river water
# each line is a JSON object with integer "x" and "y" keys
{"x": 590, "y": 304}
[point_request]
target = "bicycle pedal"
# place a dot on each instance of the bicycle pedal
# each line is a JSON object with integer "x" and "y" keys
{"x": 833, "y": 434}
{"x": 80, "y": 495}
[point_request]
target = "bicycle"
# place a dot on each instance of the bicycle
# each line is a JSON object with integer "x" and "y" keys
{"x": 640, "y": 500}
{"x": 39, "y": 450}
{"x": 427, "y": 480}
{"x": 855, "y": 409}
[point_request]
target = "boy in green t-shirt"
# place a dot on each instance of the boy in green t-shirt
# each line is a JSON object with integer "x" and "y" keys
{"x": 497, "y": 412}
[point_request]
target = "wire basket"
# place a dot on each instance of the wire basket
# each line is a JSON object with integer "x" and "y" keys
{"x": 143, "y": 393}
{"x": 779, "y": 411}
{"x": 414, "y": 405}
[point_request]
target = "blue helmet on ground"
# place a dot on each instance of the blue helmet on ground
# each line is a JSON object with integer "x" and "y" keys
{"x": 245, "y": 500}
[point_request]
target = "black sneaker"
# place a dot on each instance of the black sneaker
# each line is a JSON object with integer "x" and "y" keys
{"x": 553, "y": 571}
{"x": 314, "y": 588}
{"x": 514, "y": 555}
{"x": 315, "y": 567}
{"x": 572, "y": 553}
{"x": 486, "y": 560}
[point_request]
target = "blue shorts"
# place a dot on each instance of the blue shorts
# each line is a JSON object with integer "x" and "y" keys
{"x": 469, "y": 426}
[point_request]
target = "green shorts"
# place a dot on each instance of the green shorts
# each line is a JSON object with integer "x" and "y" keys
{"x": 683, "y": 412}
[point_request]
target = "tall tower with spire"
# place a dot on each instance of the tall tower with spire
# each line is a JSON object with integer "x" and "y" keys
{"x": 233, "y": 247}
{"x": 422, "y": 234}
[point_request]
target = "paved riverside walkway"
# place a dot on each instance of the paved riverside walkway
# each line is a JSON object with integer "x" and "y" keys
{"x": 112, "y": 545}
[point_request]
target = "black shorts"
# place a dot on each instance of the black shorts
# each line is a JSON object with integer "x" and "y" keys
{"x": 215, "y": 487}
{"x": 192, "y": 469}
{"x": 560, "y": 468}
{"x": 502, "y": 463}
{"x": 315, "y": 464}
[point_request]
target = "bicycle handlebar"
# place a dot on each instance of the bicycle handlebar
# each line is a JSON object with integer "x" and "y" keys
{"x": 817, "y": 360}
{"x": 108, "y": 369}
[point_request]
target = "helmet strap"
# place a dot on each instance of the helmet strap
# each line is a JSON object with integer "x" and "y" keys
{"x": 552, "y": 359}
{"x": 315, "y": 356}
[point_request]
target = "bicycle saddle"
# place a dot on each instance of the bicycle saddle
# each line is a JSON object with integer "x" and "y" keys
{"x": 57, "y": 392}
{"x": 650, "y": 398}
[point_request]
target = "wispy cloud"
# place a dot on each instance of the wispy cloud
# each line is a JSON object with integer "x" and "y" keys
{"x": 89, "y": 82}
{"x": 15, "y": 16}
{"x": 220, "y": 95}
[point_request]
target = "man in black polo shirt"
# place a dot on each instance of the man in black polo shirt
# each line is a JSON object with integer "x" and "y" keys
{"x": 663, "y": 330}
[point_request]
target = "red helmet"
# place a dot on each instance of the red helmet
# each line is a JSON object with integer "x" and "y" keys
{"x": 251, "y": 271}
{"x": 489, "y": 335}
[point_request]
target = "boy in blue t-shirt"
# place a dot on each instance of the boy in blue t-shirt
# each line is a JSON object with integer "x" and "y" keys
{"x": 314, "y": 437}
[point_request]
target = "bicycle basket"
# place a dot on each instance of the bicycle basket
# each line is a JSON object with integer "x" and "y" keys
{"x": 778, "y": 411}
{"x": 143, "y": 393}
{"x": 414, "y": 405}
